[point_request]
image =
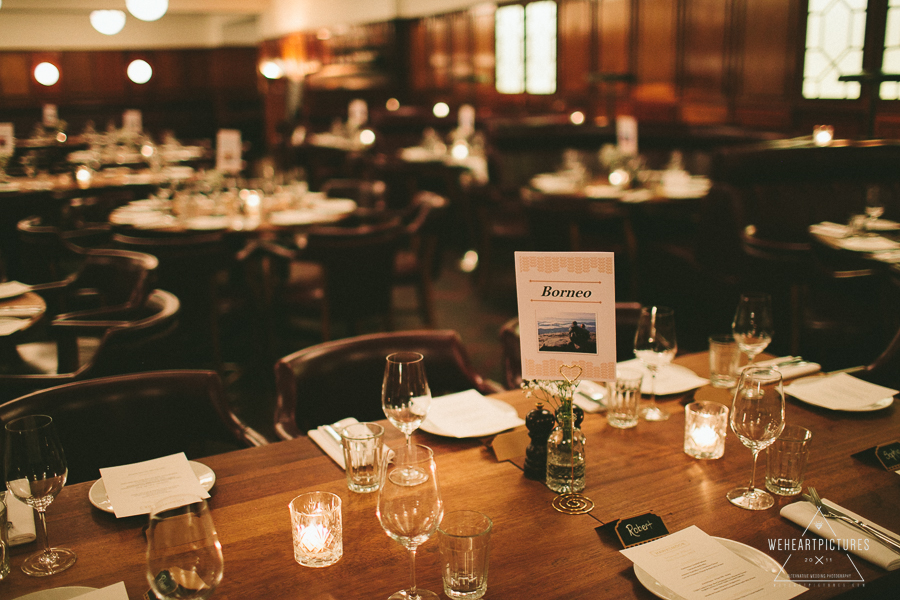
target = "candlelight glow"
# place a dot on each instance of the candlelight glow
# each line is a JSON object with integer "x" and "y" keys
{"x": 577, "y": 117}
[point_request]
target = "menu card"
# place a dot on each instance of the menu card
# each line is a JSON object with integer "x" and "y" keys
{"x": 469, "y": 414}
{"x": 839, "y": 392}
{"x": 134, "y": 489}
{"x": 228, "y": 151}
{"x": 694, "y": 565}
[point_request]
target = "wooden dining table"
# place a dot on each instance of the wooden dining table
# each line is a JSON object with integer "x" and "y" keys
{"x": 536, "y": 551}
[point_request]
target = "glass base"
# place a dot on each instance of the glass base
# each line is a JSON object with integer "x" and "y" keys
{"x": 56, "y": 561}
{"x": 405, "y": 595}
{"x": 654, "y": 413}
{"x": 755, "y": 499}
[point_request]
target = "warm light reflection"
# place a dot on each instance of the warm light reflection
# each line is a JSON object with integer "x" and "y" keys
{"x": 459, "y": 150}
{"x": 441, "y": 110}
{"x": 108, "y": 22}
{"x": 392, "y": 104}
{"x": 46, "y": 74}
{"x": 577, "y": 117}
{"x": 619, "y": 177}
{"x": 83, "y": 176}
{"x": 270, "y": 69}
{"x": 147, "y": 10}
{"x": 139, "y": 71}
{"x": 367, "y": 137}
{"x": 823, "y": 134}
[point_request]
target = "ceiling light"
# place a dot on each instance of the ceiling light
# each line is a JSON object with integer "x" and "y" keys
{"x": 108, "y": 22}
{"x": 147, "y": 10}
{"x": 441, "y": 110}
{"x": 139, "y": 71}
{"x": 46, "y": 74}
{"x": 270, "y": 69}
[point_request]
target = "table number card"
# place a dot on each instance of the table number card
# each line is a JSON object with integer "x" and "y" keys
{"x": 567, "y": 314}
{"x": 7, "y": 139}
{"x": 228, "y": 151}
{"x": 50, "y": 116}
{"x": 132, "y": 121}
{"x": 640, "y": 529}
{"x": 627, "y": 135}
{"x": 889, "y": 456}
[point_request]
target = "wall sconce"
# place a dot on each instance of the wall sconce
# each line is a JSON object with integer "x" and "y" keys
{"x": 823, "y": 134}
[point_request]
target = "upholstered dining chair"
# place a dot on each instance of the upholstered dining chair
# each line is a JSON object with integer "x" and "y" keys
{"x": 333, "y": 380}
{"x": 111, "y": 421}
{"x": 83, "y": 347}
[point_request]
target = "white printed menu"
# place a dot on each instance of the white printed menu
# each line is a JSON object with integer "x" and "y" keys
{"x": 134, "y": 489}
{"x": 694, "y": 565}
{"x": 7, "y": 139}
{"x": 228, "y": 151}
{"x": 132, "y": 121}
{"x": 567, "y": 315}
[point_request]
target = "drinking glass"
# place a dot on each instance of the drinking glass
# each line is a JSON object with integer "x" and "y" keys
{"x": 874, "y": 204}
{"x": 757, "y": 418}
{"x": 655, "y": 345}
{"x": 184, "y": 556}
{"x": 410, "y": 513}
{"x": 35, "y": 473}
{"x": 752, "y": 326}
{"x": 405, "y": 396}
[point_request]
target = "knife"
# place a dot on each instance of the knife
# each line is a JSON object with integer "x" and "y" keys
{"x": 331, "y": 431}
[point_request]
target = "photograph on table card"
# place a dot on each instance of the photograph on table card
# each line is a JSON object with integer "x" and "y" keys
{"x": 567, "y": 313}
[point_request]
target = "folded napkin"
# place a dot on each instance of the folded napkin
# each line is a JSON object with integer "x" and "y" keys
{"x": 11, "y": 289}
{"x": 10, "y": 325}
{"x": 671, "y": 379}
{"x": 868, "y": 244}
{"x": 327, "y": 443}
{"x": 829, "y": 229}
{"x": 590, "y": 396}
{"x": 115, "y": 591}
{"x": 804, "y": 513}
{"x": 21, "y": 518}
{"x": 469, "y": 414}
{"x": 790, "y": 371}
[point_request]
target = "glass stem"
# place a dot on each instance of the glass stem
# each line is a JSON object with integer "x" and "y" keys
{"x": 409, "y": 441}
{"x": 413, "y": 594}
{"x": 42, "y": 519}
{"x": 753, "y": 471}
{"x": 653, "y": 387}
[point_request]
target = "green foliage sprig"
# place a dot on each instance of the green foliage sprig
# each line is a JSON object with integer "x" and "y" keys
{"x": 556, "y": 393}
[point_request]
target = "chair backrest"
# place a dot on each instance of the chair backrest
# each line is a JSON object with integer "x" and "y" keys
{"x": 627, "y": 315}
{"x": 112, "y": 279}
{"x": 424, "y": 227}
{"x": 327, "y": 382}
{"x": 119, "y": 420}
{"x": 358, "y": 263}
{"x": 366, "y": 193}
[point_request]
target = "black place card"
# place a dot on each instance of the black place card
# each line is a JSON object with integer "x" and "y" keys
{"x": 640, "y": 529}
{"x": 889, "y": 455}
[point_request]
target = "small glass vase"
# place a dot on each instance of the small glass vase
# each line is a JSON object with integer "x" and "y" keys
{"x": 565, "y": 454}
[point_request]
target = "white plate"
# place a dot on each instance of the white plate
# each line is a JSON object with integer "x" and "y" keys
{"x": 430, "y": 427}
{"x": 748, "y": 553}
{"x": 63, "y": 593}
{"x": 97, "y": 494}
{"x": 335, "y": 206}
{"x": 883, "y": 403}
{"x": 208, "y": 223}
{"x": 12, "y": 289}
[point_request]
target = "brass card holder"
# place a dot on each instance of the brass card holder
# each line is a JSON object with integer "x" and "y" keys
{"x": 573, "y": 503}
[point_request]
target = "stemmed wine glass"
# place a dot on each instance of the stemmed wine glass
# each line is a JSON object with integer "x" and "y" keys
{"x": 36, "y": 472}
{"x": 752, "y": 326}
{"x": 184, "y": 555}
{"x": 405, "y": 396}
{"x": 757, "y": 418}
{"x": 410, "y": 514}
{"x": 655, "y": 345}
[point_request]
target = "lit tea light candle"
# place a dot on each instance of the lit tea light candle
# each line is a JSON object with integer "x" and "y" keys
{"x": 83, "y": 176}
{"x": 314, "y": 538}
{"x": 704, "y": 429}
{"x": 823, "y": 134}
{"x": 316, "y": 529}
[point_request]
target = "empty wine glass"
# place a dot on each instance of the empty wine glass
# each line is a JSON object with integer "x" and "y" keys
{"x": 757, "y": 418}
{"x": 752, "y": 326}
{"x": 36, "y": 472}
{"x": 410, "y": 514}
{"x": 655, "y": 345}
{"x": 184, "y": 555}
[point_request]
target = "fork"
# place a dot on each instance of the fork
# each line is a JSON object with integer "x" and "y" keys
{"x": 830, "y": 513}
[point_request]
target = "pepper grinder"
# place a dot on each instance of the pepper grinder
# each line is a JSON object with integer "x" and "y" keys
{"x": 540, "y": 422}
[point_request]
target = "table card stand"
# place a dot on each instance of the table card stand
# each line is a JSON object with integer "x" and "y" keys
{"x": 573, "y": 503}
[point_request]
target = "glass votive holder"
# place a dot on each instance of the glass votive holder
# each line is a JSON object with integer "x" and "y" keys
{"x": 822, "y": 135}
{"x": 705, "y": 426}
{"x": 317, "y": 529}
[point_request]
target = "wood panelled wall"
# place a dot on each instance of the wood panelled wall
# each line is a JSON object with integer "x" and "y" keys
{"x": 697, "y": 62}
{"x": 193, "y": 92}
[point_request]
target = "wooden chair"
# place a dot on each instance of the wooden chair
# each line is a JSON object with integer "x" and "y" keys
{"x": 118, "y": 420}
{"x": 627, "y": 315}
{"x": 330, "y": 381}
{"x": 112, "y": 342}
{"x": 366, "y": 193}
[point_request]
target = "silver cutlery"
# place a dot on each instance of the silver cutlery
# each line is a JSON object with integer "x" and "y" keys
{"x": 333, "y": 433}
{"x": 833, "y": 513}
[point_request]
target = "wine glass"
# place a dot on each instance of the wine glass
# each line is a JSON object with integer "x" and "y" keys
{"x": 655, "y": 345}
{"x": 35, "y": 474}
{"x": 752, "y": 326}
{"x": 184, "y": 556}
{"x": 410, "y": 514}
{"x": 874, "y": 205}
{"x": 757, "y": 418}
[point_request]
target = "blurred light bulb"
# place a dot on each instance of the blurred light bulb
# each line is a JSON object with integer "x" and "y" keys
{"x": 392, "y": 104}
{"x": 577, "y": 117}
{"x": 139, "y": 71}
{"x": 46, "y": 74}
{"x": 460, "y": 150}
{"x": 367, "y": 137}
{"x": 108, "y": 22}
{"x": 270, "y": 69}
{"x": 147, "y": 10}
{"x": 441, "y": 110}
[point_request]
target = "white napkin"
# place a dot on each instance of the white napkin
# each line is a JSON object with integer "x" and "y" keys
{"x": 804, "y": 513}
{"x": 637, "y": 196}
{"x": 829, "y": 229}
{"x": 11, "y": 289}
{"x": 590, "y": 396}
{"x": 10, "y": 325}
{"x": 469, "y": 414}
{"x": 671, "y": 379}
{"x": 839, "y": 392}
{"x": 115, "y": 591}
{"x": 328, "y": 444}
{"x": 22, "y": 518}
{"x": 867, "y": 244}
{"x": 790, "y": 371}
